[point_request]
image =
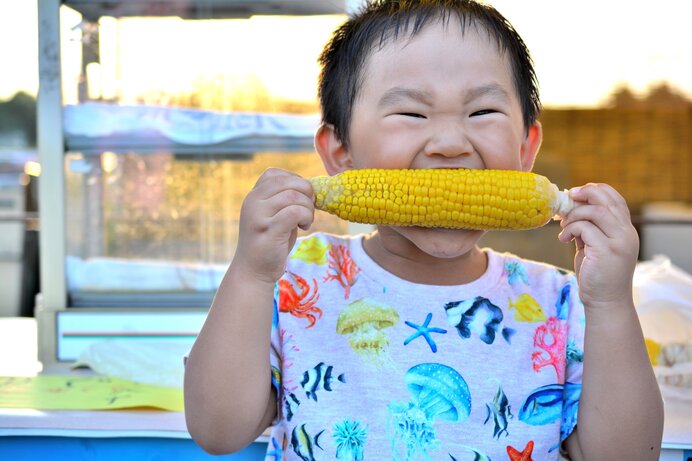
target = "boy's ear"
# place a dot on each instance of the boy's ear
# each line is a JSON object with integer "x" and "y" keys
{"x": 334, "y": 155}
{"x": 530, "y": 146}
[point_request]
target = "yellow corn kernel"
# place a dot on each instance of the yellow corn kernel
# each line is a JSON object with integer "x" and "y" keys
{"x": 448, "y": 198}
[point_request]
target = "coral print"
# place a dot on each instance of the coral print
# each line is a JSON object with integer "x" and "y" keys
{"x": 312, "y": 250}
{"x": 298, "y": 299}
{"x": 364, "y": 322}
{"x": 344, "y": 269}
{"x": 551, "y": 337}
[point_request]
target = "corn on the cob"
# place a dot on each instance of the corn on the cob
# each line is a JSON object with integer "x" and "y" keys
{"x": 449, "y": 198}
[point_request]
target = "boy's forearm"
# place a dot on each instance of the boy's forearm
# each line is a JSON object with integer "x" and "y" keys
{"x": 227, "y": 377}
{"x": 621, "y": 410}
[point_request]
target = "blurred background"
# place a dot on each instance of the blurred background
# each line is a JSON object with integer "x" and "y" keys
{"x": 143, "y": 200}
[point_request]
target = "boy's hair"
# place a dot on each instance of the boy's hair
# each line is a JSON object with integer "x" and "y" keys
{"x": 345, "y": 55}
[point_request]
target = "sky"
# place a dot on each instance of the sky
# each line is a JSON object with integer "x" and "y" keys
{"x": 581, "y": 50}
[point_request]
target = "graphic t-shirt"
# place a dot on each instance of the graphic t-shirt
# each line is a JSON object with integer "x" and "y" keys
{"x": 369, "y": 366}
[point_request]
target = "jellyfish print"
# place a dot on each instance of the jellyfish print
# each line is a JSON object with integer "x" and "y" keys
{"x": 437, "y": 392}
{"x": 364, "y": 322}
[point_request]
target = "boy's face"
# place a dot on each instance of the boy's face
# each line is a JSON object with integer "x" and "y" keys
{"x": 440, "y": 100}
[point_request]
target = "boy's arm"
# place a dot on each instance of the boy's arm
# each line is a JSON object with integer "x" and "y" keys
{"x": 620, "y": 410}
{"x": 229, "y": 399}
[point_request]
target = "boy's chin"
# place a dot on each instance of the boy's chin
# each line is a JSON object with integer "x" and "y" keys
{"x": 442, "y": 243}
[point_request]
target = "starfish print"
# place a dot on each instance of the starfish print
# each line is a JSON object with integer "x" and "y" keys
{"x": 424, "y": 331}
{"x": 525, "y": 455}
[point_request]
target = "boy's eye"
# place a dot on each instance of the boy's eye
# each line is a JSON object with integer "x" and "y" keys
{"x": 483, "y": 112}
{"x": 411, "y": 114}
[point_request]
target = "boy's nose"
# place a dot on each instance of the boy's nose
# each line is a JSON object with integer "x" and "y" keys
{"x": 449, "y": 140}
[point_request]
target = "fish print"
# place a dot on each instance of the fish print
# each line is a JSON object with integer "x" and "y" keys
{"x": 311, "y": 250}
{"x": 562, "y": 304}
{"x": 477, "y": 455}
{"x": 543, "y": 406}
{"x": 319, "y": 377}
{"x": 500, "y": 411}
{"x": 526, "y": 309}
{"x": 291, "y": 403}
{"x": 303, "y": 443}
{"x": 479, "y": 315}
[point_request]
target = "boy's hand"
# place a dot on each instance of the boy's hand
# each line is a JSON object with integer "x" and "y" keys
{"x": 279, "y": 204}
{"x": 607, "y": 244}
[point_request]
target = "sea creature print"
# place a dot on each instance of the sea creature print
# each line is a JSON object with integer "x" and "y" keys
{"x": 277, "y": 452}
{"x": 500, "y": 410}
{"x": 562, "y": 303}
{"x": 350, "y": 438}
{"x": 344, "y": 269}
{"x": 551, "y": 337}
{"x": 291, "y": 404}
{"x": 303, "y": 444}
{"x": 424, "y": 331}
{"x": 365, "y": 322}
{"x": 574, "y": 354}
{"x": 526, "y": 309}
{"x": 524, "y": 455}
{"x": 312, "y": 250}
{"x": 437, "y": 392}
{"x": 551, "y": 403}
{"x": 479, "y": 315}
{"x": 319, "y": 377}
{"x": 543, "y": 406}
{"x": 299, "y": 299}
{"x": 477, "y": 455}
{"x": 515, "y": 272}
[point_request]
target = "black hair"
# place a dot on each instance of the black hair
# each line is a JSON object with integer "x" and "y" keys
{"x": 344, "y": 56}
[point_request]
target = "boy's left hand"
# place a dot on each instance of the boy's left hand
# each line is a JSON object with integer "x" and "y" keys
{"x": 607, "y": 244}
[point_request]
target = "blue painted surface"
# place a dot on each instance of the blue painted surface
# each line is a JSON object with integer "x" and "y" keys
{"x": 43, "y": 448}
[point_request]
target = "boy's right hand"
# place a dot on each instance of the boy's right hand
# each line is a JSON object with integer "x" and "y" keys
{"x": 279, "y": 204}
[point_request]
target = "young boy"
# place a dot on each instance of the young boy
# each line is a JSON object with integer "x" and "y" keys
{"x": 413, "y": 343}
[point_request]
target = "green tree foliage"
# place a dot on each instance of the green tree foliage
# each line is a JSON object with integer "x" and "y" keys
{"x": 19, "y": 114}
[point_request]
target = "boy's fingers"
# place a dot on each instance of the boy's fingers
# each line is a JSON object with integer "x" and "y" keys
{"x": 601, "y": 216}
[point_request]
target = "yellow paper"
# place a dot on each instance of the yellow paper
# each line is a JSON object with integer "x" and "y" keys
{"x": 58, "y": 392}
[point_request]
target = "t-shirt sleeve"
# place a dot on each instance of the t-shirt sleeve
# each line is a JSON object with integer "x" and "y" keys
{"x": 571, "y": 308}
{"x": 275, "y": 355}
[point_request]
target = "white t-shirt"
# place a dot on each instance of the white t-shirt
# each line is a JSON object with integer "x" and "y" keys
{"x": 370, "y": 366}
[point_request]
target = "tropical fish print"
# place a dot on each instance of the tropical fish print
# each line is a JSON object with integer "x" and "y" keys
{"x": 425, "y": 332}
{"x": 342, "y": 268}
{"x": 303, "y": 444}
{"x": 574, "y": 354}
{"x": 350, "y": 438}
{"x": 319, "y": 377}
{"x": 479, "y": 315}
{"x": 477, "y": 455}
{"x": 543, "y": 406}
{"x": 291, "y": 404}
{"x": 500, "y": 410}
{"x": 562, "y": 304}
{"x": 516, "y": 272}
{"x": 437, "y": 392}
{"x": 312, "y": 250}
{"x": 526, "y": 309}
